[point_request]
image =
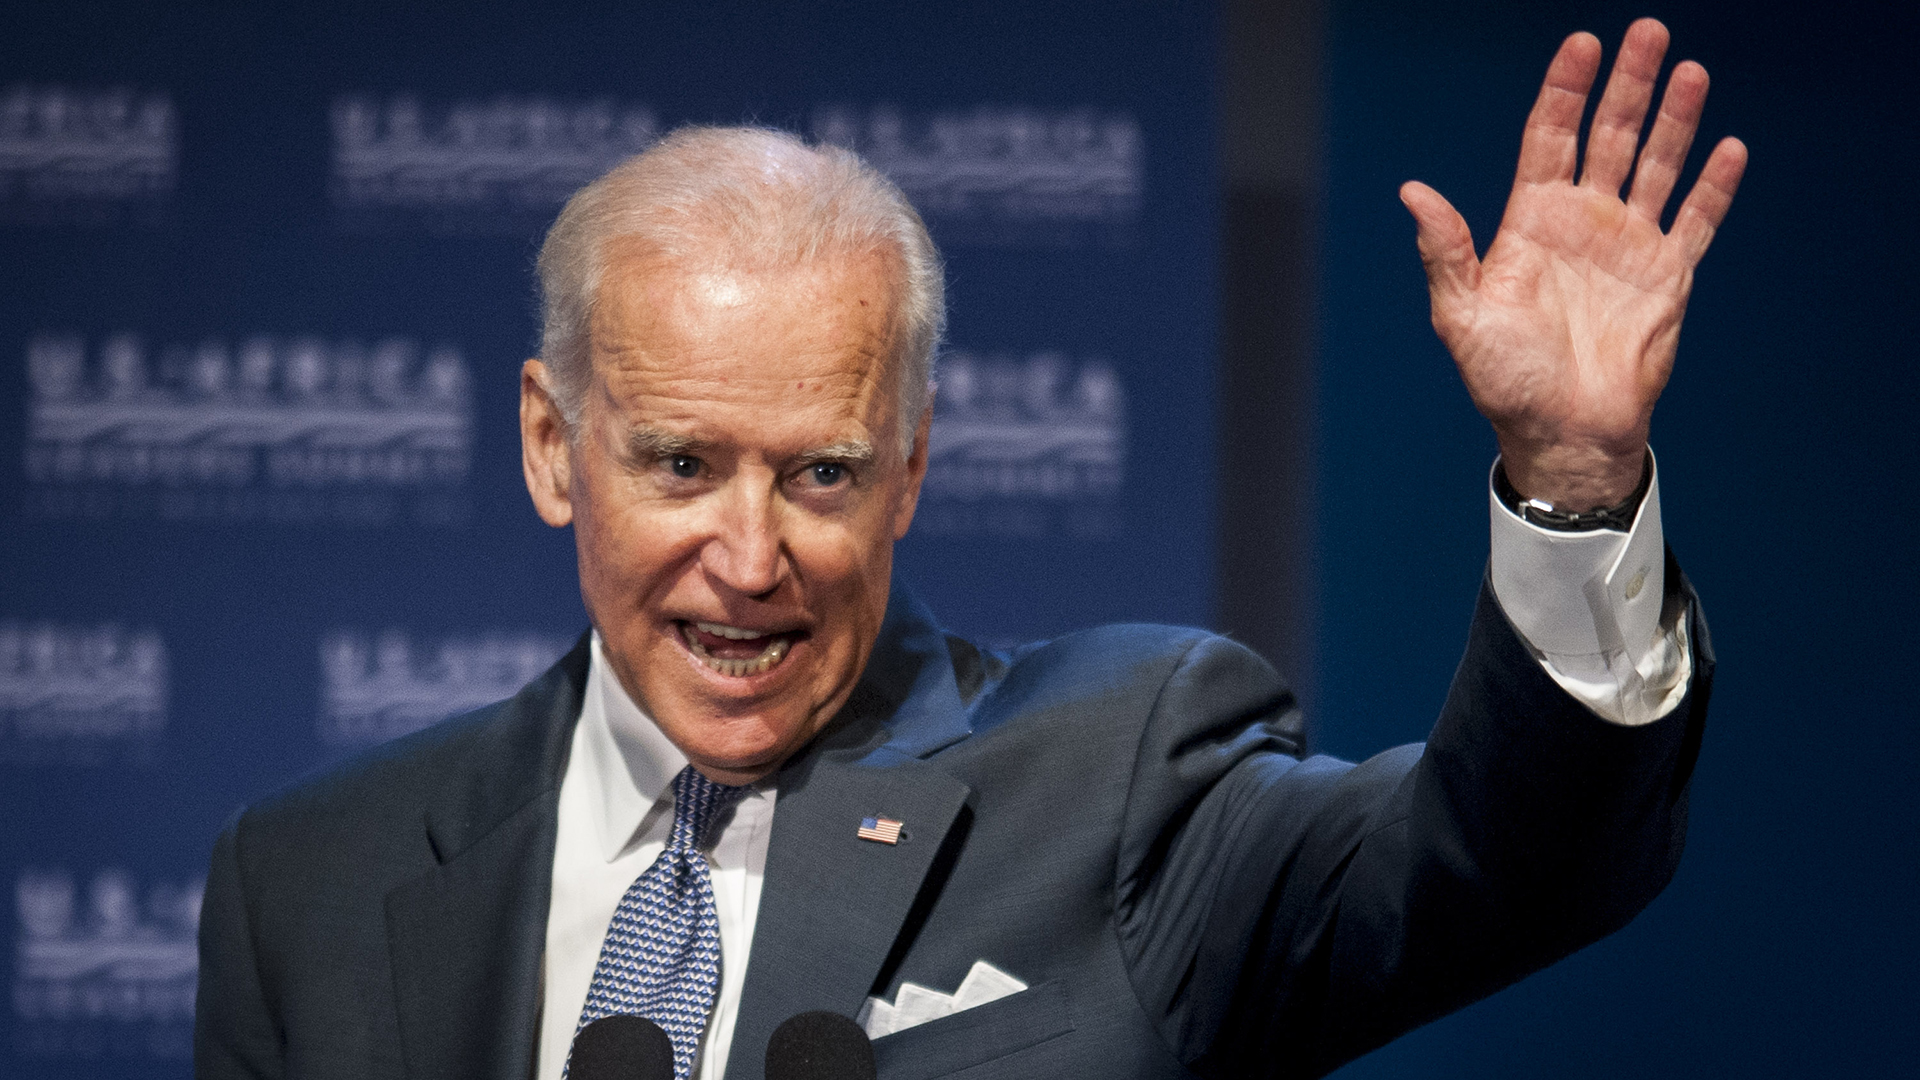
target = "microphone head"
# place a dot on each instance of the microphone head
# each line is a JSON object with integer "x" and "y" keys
{"x": 621, "y": 1048}
{"x": 819, "y": 1046}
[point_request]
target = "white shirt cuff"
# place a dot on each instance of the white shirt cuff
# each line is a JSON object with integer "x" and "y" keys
{"x": 1591, "y": 607}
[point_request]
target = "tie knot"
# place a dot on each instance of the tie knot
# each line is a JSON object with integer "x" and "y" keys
{"x": 697, "y": 803}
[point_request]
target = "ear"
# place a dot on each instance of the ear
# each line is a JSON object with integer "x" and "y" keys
{"x": 545, "y": 452}
{"x": 916, "y": 473}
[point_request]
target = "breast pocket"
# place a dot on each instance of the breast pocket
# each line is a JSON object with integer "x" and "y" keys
{"x": 976, "y": 1036}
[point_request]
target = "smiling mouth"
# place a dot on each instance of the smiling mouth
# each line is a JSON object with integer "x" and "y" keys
{"x": 733, "y": 651}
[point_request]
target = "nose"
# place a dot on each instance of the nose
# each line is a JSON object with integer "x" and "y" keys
{"x": 746, "y": 553}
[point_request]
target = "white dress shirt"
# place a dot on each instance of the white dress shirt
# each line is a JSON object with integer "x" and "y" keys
{"x": 616, "y": 811}
{"x": 1588, "y": 604}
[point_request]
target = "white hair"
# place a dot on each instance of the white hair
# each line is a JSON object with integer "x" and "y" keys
{"x": 755, "y": 195}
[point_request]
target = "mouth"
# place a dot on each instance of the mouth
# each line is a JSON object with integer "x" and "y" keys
{"x": 734, "y": 651}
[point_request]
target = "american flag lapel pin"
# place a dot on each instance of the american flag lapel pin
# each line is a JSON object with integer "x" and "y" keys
{"x": 880, "y": 830}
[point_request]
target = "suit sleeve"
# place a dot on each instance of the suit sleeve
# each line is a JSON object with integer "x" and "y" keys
{"x": 234, "y": 1032}
{"x": 1283, "y": 916}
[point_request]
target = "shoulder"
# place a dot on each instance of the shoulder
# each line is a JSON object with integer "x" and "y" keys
{"x": 365, "y": 822}
{"x": 1141, "y": 676}
{"x": 498, "y": 754}
{"x": 388, "y": 778}
{"x": 1137, "y": 658}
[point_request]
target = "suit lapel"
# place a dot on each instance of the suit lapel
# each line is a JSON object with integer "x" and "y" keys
{"x": 466, "y": 936}
{"x": 466, "y": 940}
{"x": 833, "y": 906}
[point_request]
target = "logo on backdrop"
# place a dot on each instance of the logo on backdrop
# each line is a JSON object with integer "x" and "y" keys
{"x": 73, "y": 154}
{"x": 474, "y": 166}
{"x": 104, "y": 970}
{"x": 1031, "y": 447}
{"x": 276, "y": 428}
{"x": 81, "y": 695}
{"x": 1008, "y": 176}
{"x": 379, "y": 687}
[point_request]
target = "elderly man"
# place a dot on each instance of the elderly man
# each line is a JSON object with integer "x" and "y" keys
{"x": 767, "y": 783}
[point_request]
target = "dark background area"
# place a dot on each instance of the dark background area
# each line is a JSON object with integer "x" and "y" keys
{"x": 1335, "y": 517}
{"x": 1788, "y": 451}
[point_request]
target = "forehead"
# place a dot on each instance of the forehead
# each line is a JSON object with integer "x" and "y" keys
{"x": 677, "y": 337}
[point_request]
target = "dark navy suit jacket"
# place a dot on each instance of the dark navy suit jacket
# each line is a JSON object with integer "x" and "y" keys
{"x": 1120, "y": 818}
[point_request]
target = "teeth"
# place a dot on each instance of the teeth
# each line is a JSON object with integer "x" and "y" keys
{"x": 732, "y": 633}
{"x": 775, "y": 652}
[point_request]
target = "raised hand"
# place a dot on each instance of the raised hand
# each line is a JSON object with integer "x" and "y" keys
{"x": 1565, "y": 333}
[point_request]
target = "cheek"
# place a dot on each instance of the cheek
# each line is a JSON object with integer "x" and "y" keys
{"x": 846, "y": 571}
{"x": 624, "y": 547}
{"x": 836, "y": 555}
{"x": 596, "y": 537}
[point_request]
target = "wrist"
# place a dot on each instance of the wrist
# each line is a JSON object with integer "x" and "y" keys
{"x": 1617, "y": 517}
{"x": 1574, "y": 479}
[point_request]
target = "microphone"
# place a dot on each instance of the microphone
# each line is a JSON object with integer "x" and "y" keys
{"x": 819, "y": 1046}
{"x": 621, "y": 1047}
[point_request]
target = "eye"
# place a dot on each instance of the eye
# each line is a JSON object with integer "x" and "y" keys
{"x": 827, "y": 473}
{"x": 684, "y": 466}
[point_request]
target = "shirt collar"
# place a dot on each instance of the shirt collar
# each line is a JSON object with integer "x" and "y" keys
{"x": 629, "y": 759}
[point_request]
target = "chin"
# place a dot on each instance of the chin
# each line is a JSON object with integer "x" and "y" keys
{"x": 746, "y": 744}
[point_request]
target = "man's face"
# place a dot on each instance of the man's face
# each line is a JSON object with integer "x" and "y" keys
{"x": 735, "y": 483}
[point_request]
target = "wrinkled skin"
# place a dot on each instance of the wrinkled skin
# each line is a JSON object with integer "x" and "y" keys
{"x": 736, "y": 463}
{"x": 1565, "y": 332}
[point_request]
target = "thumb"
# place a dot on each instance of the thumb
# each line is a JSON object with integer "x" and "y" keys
{"x": 1445, "y": 242}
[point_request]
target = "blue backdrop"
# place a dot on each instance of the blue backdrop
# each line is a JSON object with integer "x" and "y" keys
{"x": 267, "y": 282}
{"x": 1788, "y": 453}
{"x": 266, "y": 291}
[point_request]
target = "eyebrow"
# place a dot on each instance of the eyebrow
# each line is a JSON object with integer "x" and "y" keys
{"x": 648, "y": 443}
{"x": 854, "y": 452}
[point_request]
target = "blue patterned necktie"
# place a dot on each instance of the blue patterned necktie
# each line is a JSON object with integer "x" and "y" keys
{"x": 661, "y": 958}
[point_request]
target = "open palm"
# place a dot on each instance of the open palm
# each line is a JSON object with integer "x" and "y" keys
{"x": 1565, "y": 332}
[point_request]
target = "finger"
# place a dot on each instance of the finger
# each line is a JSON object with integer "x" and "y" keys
{"x": 1445, "y": 242}
{"x": 1706, "y": 206}
{"x": 1623, "y": 107}
{"x": 1551, "y": 144}
{"x": 1666, "y": 149}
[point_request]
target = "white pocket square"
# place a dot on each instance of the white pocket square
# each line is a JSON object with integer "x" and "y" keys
{"x": 916, "y": 1004}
